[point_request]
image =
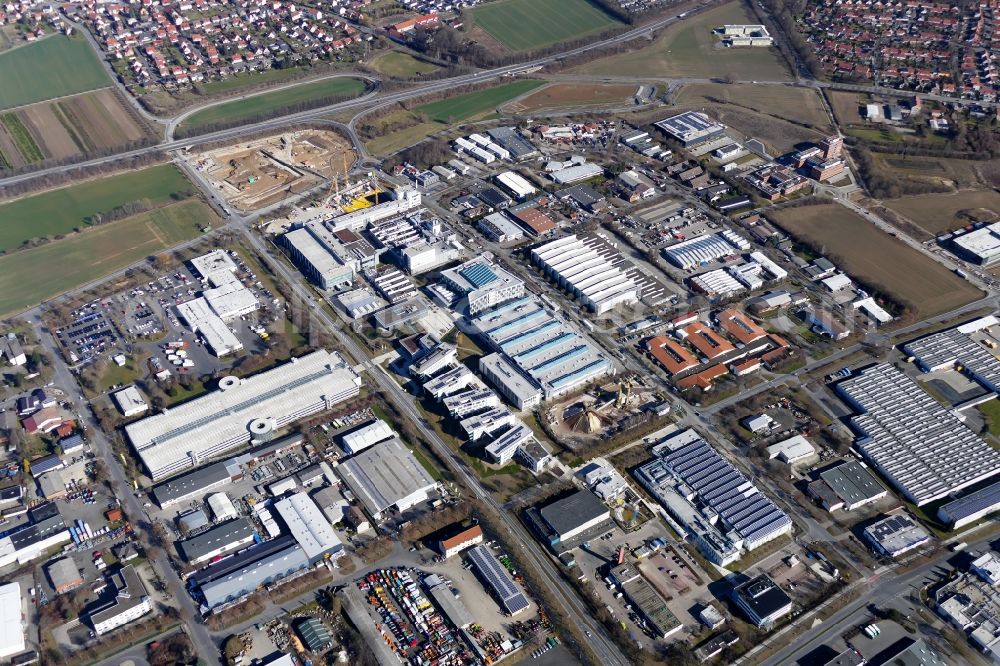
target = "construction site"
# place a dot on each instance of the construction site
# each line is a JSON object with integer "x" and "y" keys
{"x": 260, "y": 173}
{"x": 602, "y": 412}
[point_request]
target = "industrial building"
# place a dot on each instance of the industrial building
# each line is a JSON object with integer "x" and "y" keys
{"x": 241, "y": 410}
{"x": 499, "y": 228}
{"x": 972, "y": 507}
{"x": 847, "y": 486}
{"x": 194, "y": 484}
{"x": 981, "y": 246}
{"x": 746, "y": 35}
{"x": 232, "y": 579}
{"x": 314, "y": 260}
{"x": 670, "y": 354}
{"x": 130, "y": 603}
{"x": 539, "y": 351}
{"x": 691, "y": 127}
{"x": 583, "y": 266}
{"x": 129, "y": 401}
{"x": 516, "y": 184}
{"x": 201, "y": 319}
{"x": 793, "y": 450}
{"x": 313, "y": 532}
{"x": 507, "y": 593}
{"x": 576, "y": 173}
{"x": 896, "y": 535}
{"x": 221, "y": 507}
{"x": 722, "y": 510}
{"x": 215, "y": 267}
{"x": 702, "y": 250}
{"x": 406, "y": 199}
{"x": 645, "y": 600}
{"x": 972, "y": 346}
{"x": 386, "y": 476}
{"x": 29, "y": 542}
{"x": 762, "y": 601}
{"x": 462, "y": 538}
{"x": 367, "y": 435}
{"x": 229, "y": 536}
{"x": 572, "y": 519}
{"x": 481, "y": 284}
{"x": 11, "y": 620}
{"x": 924, "y": 450}
{"x": 64, "y": 575}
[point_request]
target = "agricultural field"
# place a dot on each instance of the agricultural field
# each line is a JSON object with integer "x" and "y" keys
{"x": 67, "y": 128}
{"x": 689, "y": 49}
{"x": 247, "y": 110}
{"x": 937, "y": 213}
{"x": 463, "y": 107}
{"x": 801, "y": 105}
{"x": 62, "y": 210}
{"x": 27, "y": 278}
{"x": 52, "y": 67}
{"x": 845, "y": 106}
{"x": 872, "y": 256}
{"x": 525, "y": 25}
{"x": 401, "y": 65}
{"x": 562, "y": 95}
{"x": 952, "y": 173}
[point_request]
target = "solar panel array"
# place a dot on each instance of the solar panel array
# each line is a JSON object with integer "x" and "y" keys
{"x": 981, "y": 500}
{"x": 724, "y": 489}
{"x": 496, "y": 576}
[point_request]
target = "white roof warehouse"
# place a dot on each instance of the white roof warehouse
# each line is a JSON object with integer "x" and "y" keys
{"x": 196, "y": 431}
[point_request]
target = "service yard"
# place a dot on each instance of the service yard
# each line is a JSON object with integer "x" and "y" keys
{"x": 689, "y": 49}
{"x": 50, "y": 68}
{"x": 524, "y": 25}
{"x": 872, "y": 256}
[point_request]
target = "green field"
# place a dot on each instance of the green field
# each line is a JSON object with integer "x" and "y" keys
{"x": 244, "y": 110}
{"x": 523, "y": 25}
{"x": 401, "y": 65}
{"x": 53, "y": 67}
{"x": 32, "y": 276}
{"x": 60, "y": 211}
{"x": 455, "y": 109}
{"x": 22, "y": 138}
{"x": 248, "y": 79}
{"x": 689, "y": 49}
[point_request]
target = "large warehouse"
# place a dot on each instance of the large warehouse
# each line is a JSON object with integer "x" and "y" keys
{"x": 691, "y": 127}
{"x": 925, "y": 450}
{"x": 313, "y": 532}
{"x": 386, "y": 475}
{"x": 241, "y": 409}
{"x": 315, "y": 261}
{"x": 542, "y": 350}
{"x": 582, "y": 265}
{"x": 220, "y": 539}
{"x": 692, "y": 481}
{"x": 232, "y": 579}
{"x": 981, "y": 246}
{"x": 573, "y": 518}
{"x": 970, "y": 345}
{"x": 702, "y": 250}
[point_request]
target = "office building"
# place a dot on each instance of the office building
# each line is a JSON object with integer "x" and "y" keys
{"x": 923, "y": 449}
{"x": 691, "y": 127}
{"x": 460, "y": 540}
{"x": 130, "y": 603}
{"x": 386, "y": 476}
{"x": 584, "y": 266}
{"x": 762, "y": 601}
{"x": 242, "y": 410}
{"x": 896, "y": 535}
{"x": 482, "y": 284}
{"x": 129, "y": 401}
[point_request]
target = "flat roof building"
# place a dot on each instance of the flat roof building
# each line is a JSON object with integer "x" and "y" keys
{"x": 699, "y": 251}
{"x": 762, "y": 600}
{"x": 896, "y": 535}
{"x": 202, "y": 319}
{"x": 11, "y": 620}
{"x": 313, "y": 532}
{"x": 648, "y": 603}
{"x": 972, "y": 507}
{"x": 314, "y": 260}
{"x": 229, "y": 536}
{"x": 241, "y": 410}
{"x": 260, "y": 565}
{"x": 924, "y": 450}
{"x": 129, "y": 401}
{"x": 130, "y": 603}
{"x": 853, "y": 484}
{"x": 193, "y": 484}
{"x": 691, "y": 127}
{"x": 578, "y": 514}
{"x": 981, "y": 246}
{"x": 482, "y": 283}
{"x": 386, "y": 475}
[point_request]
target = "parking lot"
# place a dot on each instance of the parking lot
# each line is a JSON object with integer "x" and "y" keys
{"x": 89, "y": 333}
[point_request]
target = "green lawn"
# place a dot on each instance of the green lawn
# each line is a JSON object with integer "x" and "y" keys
{"x": 456, "y": 109}
{"x": 403, "y": 65}
{"x": 62, "y": 210}
{"x": 249, "y": 79}
{"x": 53, "y": 67}
{"x": 246, "y": 110}
{"x": 22, "y": 138}
{"x": 523, "y": 25}
{"x": 689, "y": 49}
{"x": 991, "y": 411}
{"x": 32, "y": 276}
